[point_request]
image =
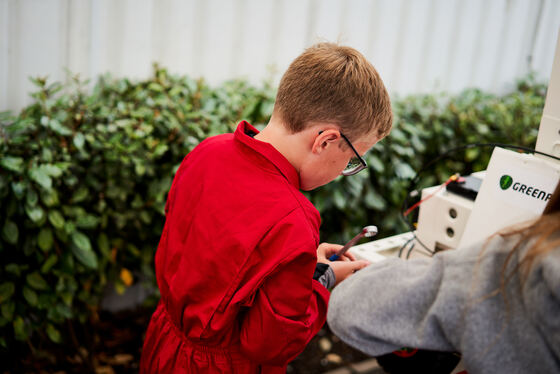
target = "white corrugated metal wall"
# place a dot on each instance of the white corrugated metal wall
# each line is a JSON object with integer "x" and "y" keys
{"x": 417, "y": 45}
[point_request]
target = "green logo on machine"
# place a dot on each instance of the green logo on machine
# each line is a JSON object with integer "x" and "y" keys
{"x": 505, "y": 182}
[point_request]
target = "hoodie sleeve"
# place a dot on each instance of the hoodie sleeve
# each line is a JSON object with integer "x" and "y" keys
{"x": 455, "y": 302}
{"x": 403, "y": 303}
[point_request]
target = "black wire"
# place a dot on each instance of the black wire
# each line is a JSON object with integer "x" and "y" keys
{"x": 401, "y": 250}
{"x": 410, "y": 251}
{"x": 404, "y": 245}
{"x": 473, "y": 145}
{"x": 414, "y": 181}
{"x": 430, "y": 253}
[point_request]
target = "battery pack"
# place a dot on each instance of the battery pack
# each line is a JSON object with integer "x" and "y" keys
{"x": 467, "y": 187}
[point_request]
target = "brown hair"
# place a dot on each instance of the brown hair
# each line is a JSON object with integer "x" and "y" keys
{"x": 545, "y": 231}
{"x": 334, "y": 84}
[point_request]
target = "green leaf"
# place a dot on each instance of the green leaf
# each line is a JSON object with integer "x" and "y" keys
{"x": 120, "y": 288}
{"x": 155, "y": 87}
{"x": 46, "y": 154}
{"x": 30, "y": 296}
{"x": 44, "y": 120}
{"x": 14, "y": 269}
{"x": 45, "y": 239}
{"x": 133, "y": 249}
{"x": 40, "y": 176}
{"x": 70, "y": 180}
{"x": 56, "y": 219}
{"x": 404, "y": 171}
{"x": 81, "y": 241}
{"x": 103, "y": 244}
{"x": 376, "y": 163}
{"x": 36, "y": 214}
{"x": 160, "y": 150}
{"x": 49, "y": 197}
{"x": 31, "y": 197}
{"x": 82, "y": 250}
{"x": 53, "y": 333}
{"x": 69, "y": 227}
{"x": 8, "y": 310}
{"x": 339, "y": 200}
{"x": 80, "y": 195}
{"x": 20, "y": 331}
{"x": 51, "y": 170}
{"x": 66, "y": 297}
{"x": 139, "y": 168}
{"x": 472, "y": 154}
{"x": 87, "y": 221}
{"x": 6, "y": 291}
{"x": 64, "y": 310}
{"x": 79, "y": 140}
{"x": 145, "y": 217}
{"x": 10, "y": 232}
{"x": 58, "y": 128}
{"x": 53, "y": 259}
{"x": 19, "y": 189}
{"x": 137, "y": 202}
{"x": 36, "y": 281}
{"x": 12, "y": 163}
{"x": 374, "y": 201}
{"x": 320, "y": 203}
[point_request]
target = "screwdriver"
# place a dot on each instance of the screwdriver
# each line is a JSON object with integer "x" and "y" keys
{"x": 368, "y": 232}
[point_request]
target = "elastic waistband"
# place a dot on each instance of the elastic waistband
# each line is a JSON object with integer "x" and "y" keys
{"x": 231, "y": 352}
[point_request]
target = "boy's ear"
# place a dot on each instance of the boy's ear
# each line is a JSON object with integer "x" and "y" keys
{"x": 324, "y": 139}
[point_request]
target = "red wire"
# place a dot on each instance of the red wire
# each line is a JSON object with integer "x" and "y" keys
{"x": 451, "y": 179}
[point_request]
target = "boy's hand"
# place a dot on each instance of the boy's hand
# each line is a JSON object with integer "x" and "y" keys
{"x": 345, "y": 266}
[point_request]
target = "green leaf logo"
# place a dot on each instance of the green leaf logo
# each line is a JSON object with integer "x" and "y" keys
{"x": 505, "y": 182}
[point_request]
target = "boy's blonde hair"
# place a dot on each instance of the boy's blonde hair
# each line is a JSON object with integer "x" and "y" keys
{"x": 334, "y": 84}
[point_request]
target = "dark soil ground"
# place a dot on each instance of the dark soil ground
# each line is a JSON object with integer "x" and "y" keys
{"x": 115, "y": 344}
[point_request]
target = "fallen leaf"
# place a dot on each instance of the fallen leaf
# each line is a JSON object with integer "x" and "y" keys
{"x": 104, "y": 370}
{"x": 325, "y": 344}
{"x": 122, "y": 359}
{"x": 334, "y": 358}
{"x": 126, "y": 277}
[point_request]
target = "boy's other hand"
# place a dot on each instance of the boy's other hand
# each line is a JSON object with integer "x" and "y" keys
{"x": 345, "y": 266}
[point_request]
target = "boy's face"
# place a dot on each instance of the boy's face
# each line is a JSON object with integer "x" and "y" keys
{"x": 330, "y": 157}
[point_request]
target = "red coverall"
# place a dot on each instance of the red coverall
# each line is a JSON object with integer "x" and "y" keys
{"x": 235, "y": 263}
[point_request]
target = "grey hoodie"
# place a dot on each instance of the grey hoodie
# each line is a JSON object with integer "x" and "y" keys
{"x": 445, "y": 303}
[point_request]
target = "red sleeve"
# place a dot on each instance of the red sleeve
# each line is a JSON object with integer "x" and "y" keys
{"x": 290, "y": 307}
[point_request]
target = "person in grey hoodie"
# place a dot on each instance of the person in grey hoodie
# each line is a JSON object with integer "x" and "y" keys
{"x": 497, "y": 303}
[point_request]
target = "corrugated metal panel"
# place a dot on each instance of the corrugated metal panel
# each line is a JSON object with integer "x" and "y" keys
{"x": 4, "y": 53}
{"x": 417, "y": 45}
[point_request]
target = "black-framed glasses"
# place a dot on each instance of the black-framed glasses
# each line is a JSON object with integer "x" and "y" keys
{"x": 356, "y": 164}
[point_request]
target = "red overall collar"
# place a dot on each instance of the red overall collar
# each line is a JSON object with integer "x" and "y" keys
{"x": 243, "y": 134}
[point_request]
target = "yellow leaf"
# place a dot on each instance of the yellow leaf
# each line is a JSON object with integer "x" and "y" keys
{"x": 126, "y": 277}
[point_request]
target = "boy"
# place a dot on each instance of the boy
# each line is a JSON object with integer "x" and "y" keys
{"x": 236, "y": 260}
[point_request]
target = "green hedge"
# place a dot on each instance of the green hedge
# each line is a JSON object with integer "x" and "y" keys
{"x": 84, "y": 177}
